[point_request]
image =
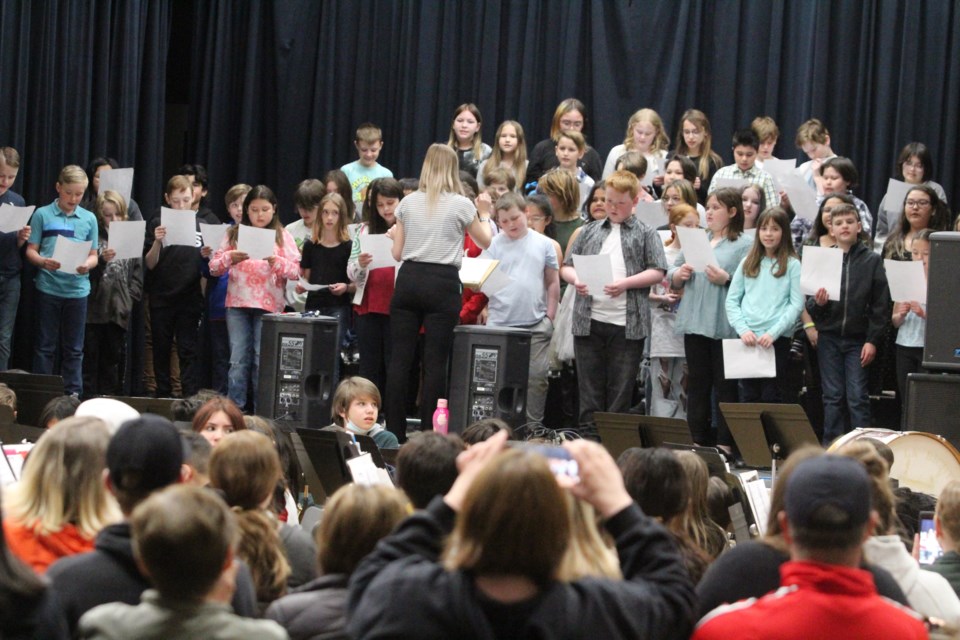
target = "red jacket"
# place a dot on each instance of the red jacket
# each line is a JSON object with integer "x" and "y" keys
{"x": 814, "y": 600}
{"x": 39, "y": 552}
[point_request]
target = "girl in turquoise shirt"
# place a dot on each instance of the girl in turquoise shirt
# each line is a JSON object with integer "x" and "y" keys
{"x": 764, "y": 301}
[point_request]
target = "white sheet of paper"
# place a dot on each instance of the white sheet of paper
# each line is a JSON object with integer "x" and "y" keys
{"x": 907, "y": 281}
{"x": 732, "y": 183}
{"x": 312, "y": 287}
{"x": 777, "y": 167}
{"x": 380, "y": 247}
{"x": 126, "y": 238}
{"x": 258, "y": 244}
{"x": 696, "y": 248}
{"x": 365, "y": 472}
{"x": 473, "y": 269}
{"x": 70, "y": 254}
{"x": 759, "y": 498}
{"x": 741, "y": 361}
{"x": 651, "y": 214}
{"x": 897, "y": 191}
{"x": 803, "y": 197}
{"x": 821, "y": 267}
{"x": 119, "y": 180}
{"x": 497, "y": 280}
{"x": 14, "y": 218}
{"x": 594, "y": 271}
{"x": 213, "y": 234}
{"x": 181, "y": 227}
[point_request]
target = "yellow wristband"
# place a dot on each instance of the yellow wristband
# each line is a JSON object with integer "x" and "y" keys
{"x": 809, "y": 325}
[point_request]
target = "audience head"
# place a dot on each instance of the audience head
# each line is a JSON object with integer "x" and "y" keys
{"x": 719, "y": 500}
{"x": 352, "y": 395}
{"x": 514, "y": 521}
{"x": 482, "y": 430}
{"x": 947, "y": 516}
{"x": 881, "y": 494}
{"x": 57, "y": 409}
{"x": 355, "y": 518}
{"x": 590, "y": 553}
{"x": 288, "y": 458}
{"x": 773, "y": 535}
{"x": 827, "y": 512}
{"x": 245, "y": 468}
{"x": 144, "y": 455}
{"x": 185, "y": 409}
{"x": 183, "y": 539}
{"x": 218, "y": 417}
{"x": 112, "y": 411}
{"x": 62, "y": 481}
{"x": 656, "y": 481}
{"x": 197, "y": 458}
{"x": 427, "y": 466}
{"x": 695, "y": 522}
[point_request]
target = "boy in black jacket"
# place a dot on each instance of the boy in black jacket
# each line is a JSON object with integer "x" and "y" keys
{"x": 849, "y": 329}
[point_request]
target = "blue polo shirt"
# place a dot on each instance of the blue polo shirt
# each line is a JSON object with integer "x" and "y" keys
{"x": 46, "y": 224}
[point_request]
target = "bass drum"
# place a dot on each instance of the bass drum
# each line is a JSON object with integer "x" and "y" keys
{"x": 924, "y": 462}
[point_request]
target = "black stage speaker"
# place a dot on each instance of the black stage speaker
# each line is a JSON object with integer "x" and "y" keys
{"x": 933, "y": 405}
{"x": 941, "y": 349}
{"x": 488, "y": 376}
{"x": 297, "y": 358}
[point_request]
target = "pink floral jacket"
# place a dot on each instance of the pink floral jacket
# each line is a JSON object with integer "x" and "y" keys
{"x": 254, "y": 284}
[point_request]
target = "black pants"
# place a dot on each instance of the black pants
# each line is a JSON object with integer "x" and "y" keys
{"x": 183, "y": 322}
{"x": 102, "y": 351}
{"x": 909, "y": 360}
{"x": 775, "y": 390}
{"x": 373, "y": 343}
{"x": 425, "y": 295}
{"x": 704, "y": 374}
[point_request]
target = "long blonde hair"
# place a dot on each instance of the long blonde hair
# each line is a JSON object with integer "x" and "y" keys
{"x": 707, "y": 154}
{"x": 660, "y": 141}
{"x": 62, "y": 481}
{"x": 589, "y": 554}
{"x": 695, "y": 522}
{"x": 440, "y": 173}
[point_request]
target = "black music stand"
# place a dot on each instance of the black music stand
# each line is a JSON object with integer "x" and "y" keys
{"x": 618, "y": 431}
{"x": 655, "y": 431}
{"x": 746, "y": 427}
{"x": 788, "y": 428}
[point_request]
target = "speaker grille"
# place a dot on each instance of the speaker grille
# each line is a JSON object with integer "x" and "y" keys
{"x": 933, "y": 405}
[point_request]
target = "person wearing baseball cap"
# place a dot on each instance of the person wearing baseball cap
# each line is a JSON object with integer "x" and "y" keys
{"x": 145, "y": 455}
{"x": 823, "y": 593}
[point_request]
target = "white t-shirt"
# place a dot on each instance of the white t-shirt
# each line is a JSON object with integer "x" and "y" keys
{"x": 523, "y": 302}
{"x": 604, "y": 308}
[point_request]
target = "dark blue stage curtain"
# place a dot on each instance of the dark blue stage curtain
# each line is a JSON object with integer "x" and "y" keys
{"x": 84, "y": 78}
{"x": 284, "y": 84}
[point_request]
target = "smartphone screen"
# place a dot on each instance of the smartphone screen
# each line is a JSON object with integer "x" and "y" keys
{"x": 559, "y": 459}
{"x": 929, "y": 546}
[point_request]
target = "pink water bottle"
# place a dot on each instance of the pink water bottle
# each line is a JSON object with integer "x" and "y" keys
{"x": 441, "y": 417}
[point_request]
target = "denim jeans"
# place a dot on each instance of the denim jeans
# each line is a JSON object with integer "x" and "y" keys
{"x": 244, "y": 326}
{"x": 607, "y": 367}
{"x": 841, "y": 373}
{"x": 61, "y": 322}
{"x": 9, "y": 300}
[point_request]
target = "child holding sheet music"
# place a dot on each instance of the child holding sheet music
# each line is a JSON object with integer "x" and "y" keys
{"x": 910, "y": 318}
{"x": 914, "y": 166}
{"x": 114, "y": 286}
{"x": 173, "y": 288}
{"x": 255, "y": 287}
{"x": 609, "y": 325}
{"x": 667, "y": 393}
{"x": 645, "y": 134}
{"x": 10, "y": 261}
{"x": 61, "y": 296}
{"x": 764, "y": 301}
{"x": 374, "y": 287}
{"x": 702, "y": 317}
{"x": 324, "y": 262}
{"x": 849, "y": 329}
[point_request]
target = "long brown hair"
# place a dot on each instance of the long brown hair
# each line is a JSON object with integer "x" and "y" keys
{"x": 343, "y": 218}
{"x": 519, "y": 167}
{"x": 707, "y": 154}
{"x": 259, "y": 192}
{"x": 751, "y": 266}
{"x": 477, "y": 142}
